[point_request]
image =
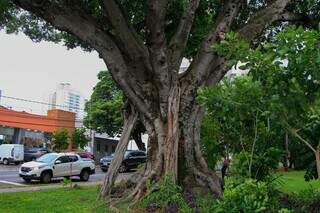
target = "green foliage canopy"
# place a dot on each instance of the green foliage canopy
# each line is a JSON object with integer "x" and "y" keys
{"x": 104, "y": 107}
{"x": 79, "y": 138}
{"x": 288, "y": 71}
{"x": 14, "y": 20}
{"x": 237, "y": 122}
{"x": 60, "y": 140}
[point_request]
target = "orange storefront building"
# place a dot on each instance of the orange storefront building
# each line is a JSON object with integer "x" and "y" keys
{"x": 33, "y": 130}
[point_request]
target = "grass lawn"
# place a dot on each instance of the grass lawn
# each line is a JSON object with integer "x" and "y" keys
{"x": 55, "y": 200}
{"x": 293, "y": 181}
{"x": 80, "y": 200}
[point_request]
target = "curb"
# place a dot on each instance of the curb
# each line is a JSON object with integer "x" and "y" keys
{"x": 40, "y": 188}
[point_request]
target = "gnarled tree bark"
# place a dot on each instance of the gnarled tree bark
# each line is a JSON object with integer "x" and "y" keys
{"x": 148, "y": 73}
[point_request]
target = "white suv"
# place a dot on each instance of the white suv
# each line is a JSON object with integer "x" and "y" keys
{"x": 57, "y": 165}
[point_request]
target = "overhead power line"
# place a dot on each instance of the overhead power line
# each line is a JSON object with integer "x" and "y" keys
{"x": 40, "y": 102}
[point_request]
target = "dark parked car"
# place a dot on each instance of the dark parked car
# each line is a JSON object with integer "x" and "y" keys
{"x": 34, "y": 153}
{"x": 132, "y": 159}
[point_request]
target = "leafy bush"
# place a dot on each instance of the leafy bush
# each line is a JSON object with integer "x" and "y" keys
{"x": 59, "y": 140}
{"x": 263, "y": 164}
{"x": 79, "y": 138}
{"x": 165, "y": 195}
{"x": 206, "y": 204}
{"x": 249, "y": 196}
{"x": 307, "y": 201}
{"x": 311, "y": 172}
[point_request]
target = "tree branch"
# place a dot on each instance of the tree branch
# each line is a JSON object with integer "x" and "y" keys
{"x": 155, "y": 22}
{"x": 131, "y": 41}
{"x": 294, "y": 133}
{"x": 156, "y": 40}
{"x": 263, "y": 19}
{"x": 179, "y": 41}
{"x": 299, "y": 18}
{"x": 74, "y": 20}
{"x": 275, "y": 11}
{"x": 200, "y": 67}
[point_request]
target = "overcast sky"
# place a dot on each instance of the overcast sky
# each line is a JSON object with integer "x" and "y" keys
{"x": 31, "y": 70}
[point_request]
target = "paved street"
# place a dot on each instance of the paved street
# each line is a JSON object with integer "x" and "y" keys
{"x": 10, "y": 174}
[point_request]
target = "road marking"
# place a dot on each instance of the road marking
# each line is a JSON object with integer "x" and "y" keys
{"x": 12, "y": 183}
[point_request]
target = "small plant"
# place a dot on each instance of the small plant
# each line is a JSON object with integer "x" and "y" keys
{"x": 247, "y": 197}
{"x": 165, "y": 196}
{"x": 66, "y": 181}
{"x": 206, "y": 204}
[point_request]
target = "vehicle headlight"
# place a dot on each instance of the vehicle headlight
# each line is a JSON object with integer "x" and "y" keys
{"x": 37, "y": 168}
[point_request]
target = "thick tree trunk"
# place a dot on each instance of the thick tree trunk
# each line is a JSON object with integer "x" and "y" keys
{"x": 197, "y": 172}
{"x": 172, "y": 137}
{"x": 130, "y": 119}
{"x": 174, "y": 149}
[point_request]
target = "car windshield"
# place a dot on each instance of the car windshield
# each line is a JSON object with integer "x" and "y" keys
{"x": 48, "y": 158}
{"x": 109, "y": 156}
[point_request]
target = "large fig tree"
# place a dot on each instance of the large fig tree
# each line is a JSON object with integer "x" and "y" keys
{"x": 143, "y": 43}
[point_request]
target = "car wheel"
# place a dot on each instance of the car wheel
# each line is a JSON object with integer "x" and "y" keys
{"x": 45, "y": 177}
{"x": 84, "y": 176}
{"x": 5, "y": 161}
{"x": 122, "y": 168}
{"x": 27, "y": 180}
{"x": 17, "y": 163}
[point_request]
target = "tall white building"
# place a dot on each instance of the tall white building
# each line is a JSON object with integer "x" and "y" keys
{"x": 67, "y": 98}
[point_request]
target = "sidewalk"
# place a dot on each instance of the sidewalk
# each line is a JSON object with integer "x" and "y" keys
{"x": 46, "y": 187}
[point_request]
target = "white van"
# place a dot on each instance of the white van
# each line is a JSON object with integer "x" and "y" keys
{"x": 11, "y": 153}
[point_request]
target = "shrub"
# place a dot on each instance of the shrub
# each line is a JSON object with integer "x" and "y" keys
{"x": 59, "y": 140}
{"x": 165, "y": 195}
{"x": 206, "y": 204}
{"x": 307, "y": 201}
{"x": 247, "y": 197}
{"x": 66, "y": 182}
{"x": 264, "y": 163}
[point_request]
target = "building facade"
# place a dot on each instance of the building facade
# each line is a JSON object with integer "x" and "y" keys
{"x": 33, "y": 130}
{"x": 68, "y": 99}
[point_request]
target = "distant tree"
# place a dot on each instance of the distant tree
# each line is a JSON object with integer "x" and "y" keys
{"x": 104, "y": 107}
{"x": 79, "y": 138}
{"x": 59, "y": 140}
{"x": 104, "y": 110}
